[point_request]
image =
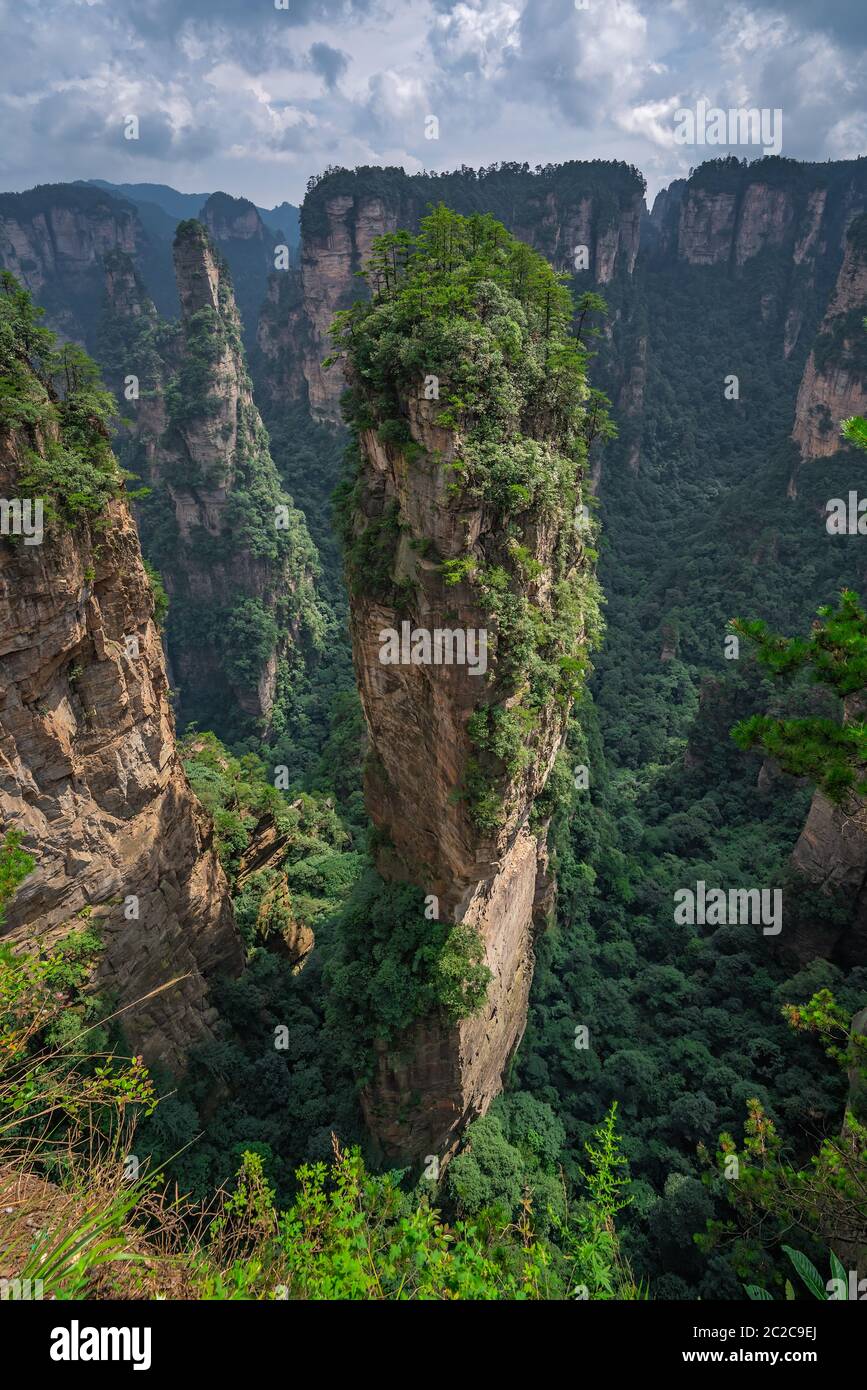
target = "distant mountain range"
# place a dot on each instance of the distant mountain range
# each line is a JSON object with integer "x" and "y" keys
{"x": 161, "y": 208}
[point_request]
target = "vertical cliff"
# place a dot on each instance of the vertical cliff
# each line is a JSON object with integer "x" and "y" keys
{"x": 728, "y": 212}
{"x": 247, "y": 245}
{"x": 281, "y": 332}
{"x": 473, "y": 604}
{"x": 234, "y": 552}
{"x": 53, "y": 240}
{"x": 89, "y": 771}
{"x": 834, "y": 384}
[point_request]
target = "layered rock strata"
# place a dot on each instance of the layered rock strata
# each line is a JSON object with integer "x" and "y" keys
{"x": 90, "y": 774}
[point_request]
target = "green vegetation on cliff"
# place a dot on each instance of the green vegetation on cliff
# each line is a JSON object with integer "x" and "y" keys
{"x": 241, "y": 579}
{"x": 512, "y": 192}
{"x": 466, "y": 305}
{"x": 832, "y": 753}
{"x": 686, "y": 1027}
{"x": 54, "y": 397}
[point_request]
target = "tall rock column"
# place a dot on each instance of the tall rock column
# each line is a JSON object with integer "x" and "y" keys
{"x": 473, "y": 603}
{"x": 89, "y": 772}
{"x": 235, "y": 554}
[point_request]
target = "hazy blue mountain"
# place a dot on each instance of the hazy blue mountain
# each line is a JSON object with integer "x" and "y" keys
{"x": 177, "y": 205}
{"x": 149, "y": 197}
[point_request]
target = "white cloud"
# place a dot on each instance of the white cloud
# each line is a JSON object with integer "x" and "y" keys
{"x": 231, "y": 99}
{"x": 652, "y": 119}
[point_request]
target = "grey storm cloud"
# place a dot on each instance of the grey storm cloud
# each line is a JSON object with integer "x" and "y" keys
{"x": 329, "y": 62}
{"x": 252, "y": 98}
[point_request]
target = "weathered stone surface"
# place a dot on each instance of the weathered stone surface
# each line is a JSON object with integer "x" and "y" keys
{"x": 831, "y": 853}
{"x": 706, "y": 227}
{"x": 837, "y": 389}
{"x": 235, "y": 219}
{"x": 90, "y": 773}
{"x": 54, "y": 241}
{"x": 203, "y": 460}
{"x": 64, "y": 240}
{"x": 437, "y": 1076}
{"x": 267, "y": 852}
{"x": 764, "y": 219}
{"x": 824, "y": 399}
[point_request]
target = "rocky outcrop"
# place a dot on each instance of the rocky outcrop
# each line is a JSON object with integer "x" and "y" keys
{"x": 90, "y": 774}
{"x": 659, "y": 231}
{"x": 281, "y": 332}
{"x": 728, "y": 213}
{"x": 831, "y": 854}
{"x": 414, "y": 706}
{"x": 266, "y": 855}
{"x": 417, "y": 716}
{"x": 834, "y": 384}
{"x": 717, "y": 227}
{"x": 329, "y": 261}
{"x": 706, "y": 227}
{"x": 450, "y": 801}
{"x": 248, "y": 247}
{"x": 62, "y": 238}
{"x": 234, "y": 553}
{"x": 235, "y": 219}
{"x": 825, "y": 397}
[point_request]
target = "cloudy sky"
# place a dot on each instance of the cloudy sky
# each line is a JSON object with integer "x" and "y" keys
{"x": 251, "y": 98}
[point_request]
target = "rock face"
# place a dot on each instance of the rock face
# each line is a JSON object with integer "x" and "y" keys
{"x": 234, "y": 553}
{"x": 450, "y": 801}
{"x": 266, "y": 854}
{"x": 730, "y": 216}
{"x": 329, "y": 260}
{"x": 409, "y": 707}
{"x": 792, "y": 236}
{"x": 90, "y": 773}
{"x": 235, "y": 219}
{"x": 706, "y": 228}
{"x": 236, "y": 228}
{"x": 417, "y": 719}
{"x": 38, "y": 245}
{"x": 280, "y": 333}
{"x": 54, "y": 239}
{"x": 831, "y": 853}
{"x": 834, "y": 384}
{"x": 560, "y": 211}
